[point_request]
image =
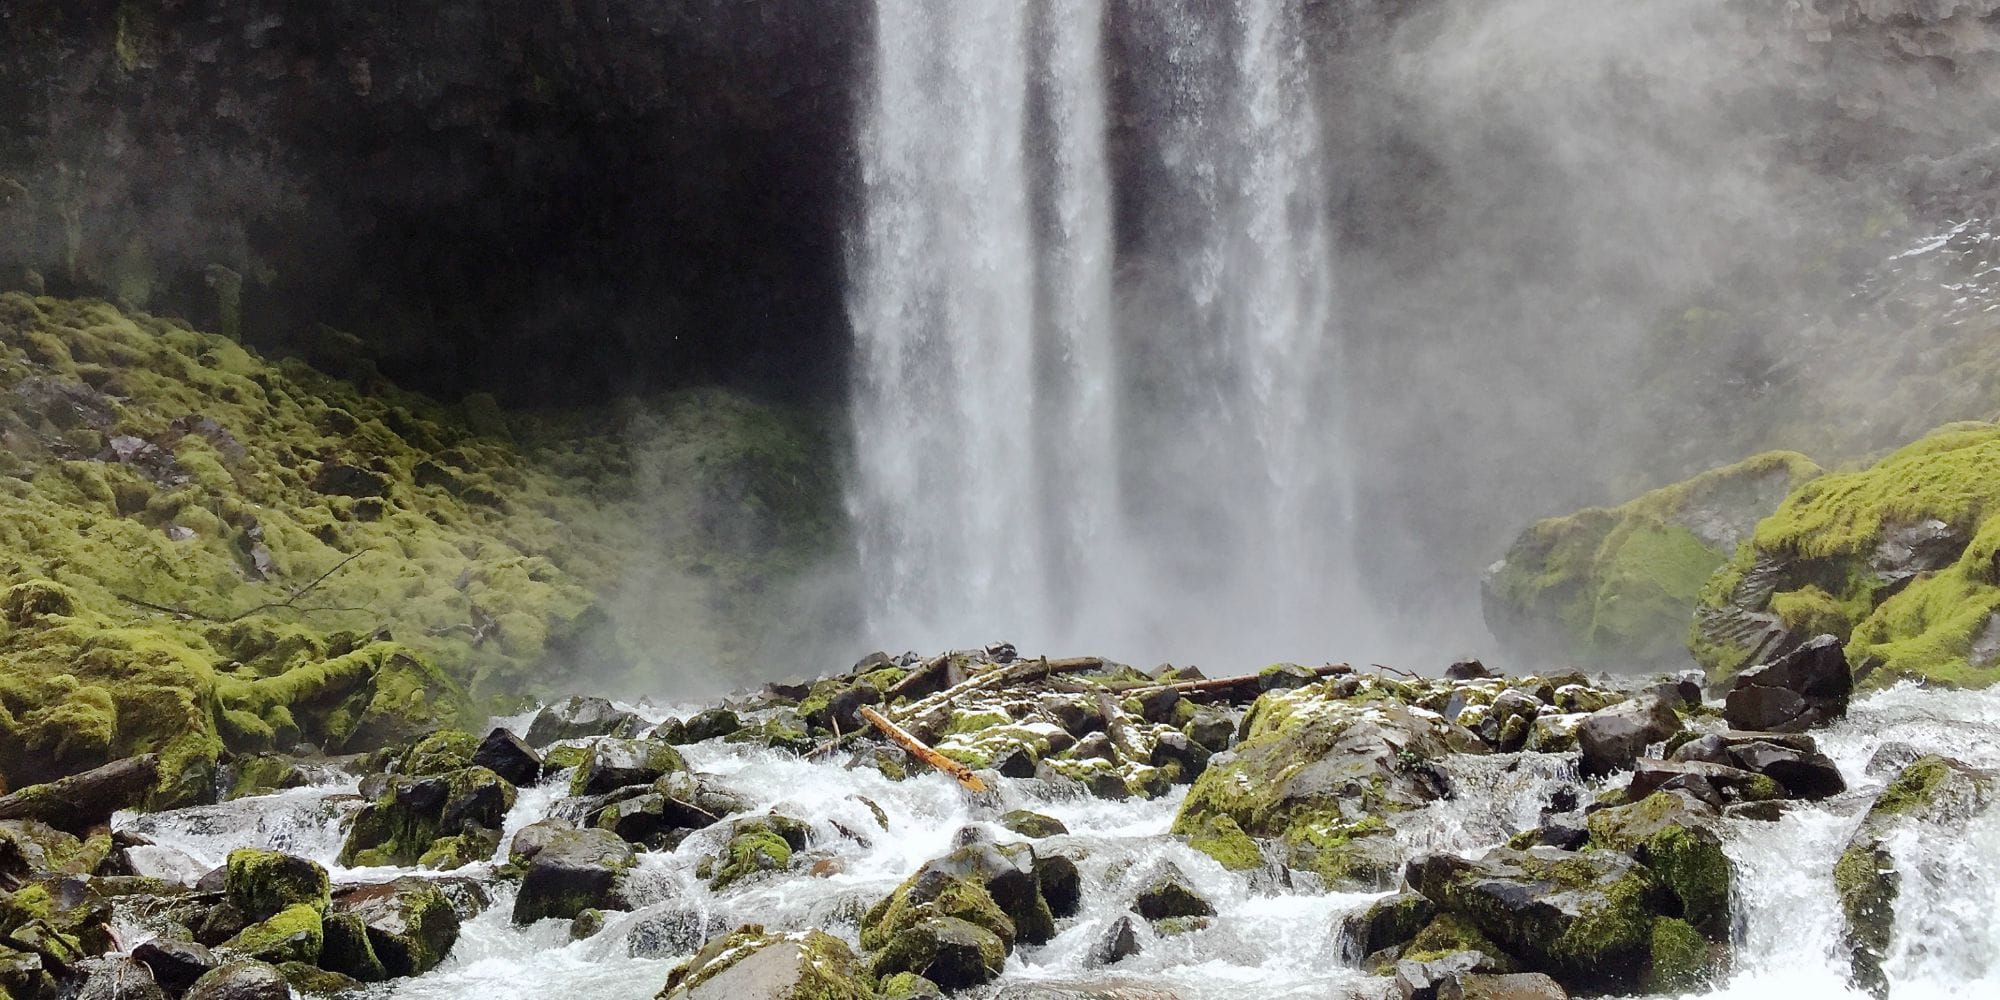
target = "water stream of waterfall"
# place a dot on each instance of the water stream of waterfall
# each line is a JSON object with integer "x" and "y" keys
{"x": 1270, "y": 939}
{"x": 1044, "y": 458}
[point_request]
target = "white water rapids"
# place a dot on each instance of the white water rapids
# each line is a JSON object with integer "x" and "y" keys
{"x": 1269, "y": 940}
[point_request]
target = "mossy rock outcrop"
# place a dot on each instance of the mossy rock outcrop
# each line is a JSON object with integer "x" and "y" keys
{"x": 201, "y": 547}
{"x": 1322, "y": 770}
{"x": 1897, "y": 559}
{"x": 1615, "y": 587}
{"x": 440, "y": 821}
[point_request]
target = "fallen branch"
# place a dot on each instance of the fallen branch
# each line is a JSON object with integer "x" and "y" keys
{"x": 1247, "y": 683}
{"x": 1019, "y": 672}
{"x": 298, "y": 592}
{"x": 290, "y": 602}
{"x": 959, "y": 772}
{"x": 82, "y": 802}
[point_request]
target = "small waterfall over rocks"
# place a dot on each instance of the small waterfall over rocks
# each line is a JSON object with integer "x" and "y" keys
{"x": 1054, "y": 448}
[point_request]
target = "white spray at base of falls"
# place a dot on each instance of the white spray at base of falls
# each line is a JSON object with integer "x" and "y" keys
{"x": 1269, "y": 939}
{"x": 1038, "y": 457}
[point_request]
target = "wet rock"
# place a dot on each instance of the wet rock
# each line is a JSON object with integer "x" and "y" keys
{"x": 1119, "y": 941}
{"x": 577, "y": 717}
{"x": 751, "y": 965}
{"x": 311, "y": 980}
{"x": 1467, "y": 670}
{"x": 1611, "y": 739}
{"x": 1725, "y": 783}
{"x": 262, "y": 883}
{"x": 113, "y": 978}
{"x": 1061, "y": 884}
{"x": 693, "y": 803}
{"x": 1189, "y": 757}
{"x": 1511, "y": 986}
{"x": 293, "y": 934}
{"x": 241, "y": 980}
{"x": 1284, "y": 677}
{"x": 586, "y": 925}
{"x": 1033, "y": 824}
{"x": 345, "y": 949}
{"x": 953, "y": 953}
{"x": 1014, "y": 762}
{"x": 1671, "y": 833}
{"x": 1806, "y": 775}
{"x": 1806, "y": 687}
{"x": 24, "y": 975}
{"x": 441, "y": 821}
{"x": 672, "y": 931}
{"x": 1168, "y": 893}
{"x": 1211, "y": 728}
{"x": 411, "y": 925}
{"x": 572, "y": 871}
{"x": 175, "y": 963}
{"x": 1423, "y": 980}
{"x": 710, "y": 724}
{"x": 1937, "y": 794}
{"x": 510, "y": 757}
{"x": 1389, "y": 922}
{"x": 617, "y": 763}
{"x": 1008, "y": 875}
{"x": 1157, "y": 705}
{"x": 910, "y": 986}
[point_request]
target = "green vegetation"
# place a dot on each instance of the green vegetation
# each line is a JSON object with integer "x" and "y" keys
{"x": 1616, "y": 586}
{"x": 205, "y": 551}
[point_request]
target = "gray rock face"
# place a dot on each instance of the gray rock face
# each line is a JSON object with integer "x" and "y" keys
{"x": 176, "y": 964}
{"x": 1514, "y": 986}
{"x": 410, "y": 925}
{"x": 243, "y": 980}
{"x": 577, "y": 717}
{"x": 1119, "y": 941}
{"x": 114, "y": 979}
{"x": 1583, "y": 914}
{"x": 1807, "y": 687}
{"x": 572, "y": 871}
{"x": 1169, "y": 894}
{"x": 1612, "y": 739}
{"x": 620, "y": 763}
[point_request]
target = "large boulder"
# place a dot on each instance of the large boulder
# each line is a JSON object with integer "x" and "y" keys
{"x": 749, "y": 964}
{"x": 261, "y": 883}
{"x": 571, "y": 871}
{"x": 509, "y": 756}
{"x": 1808, "y": 686}
{"x": 1672, "y": 833}
{"x": 1323, "y": 770}
{"x": 241, "y": 980}
{"x": 409, "y": 923}
{"x": 1596, "y": 919}
{"x": 439, "y": 821}
{"x": 1937, "y": 794}
{"x": 1611, "y": 739}
{"x": 618, "y": 763}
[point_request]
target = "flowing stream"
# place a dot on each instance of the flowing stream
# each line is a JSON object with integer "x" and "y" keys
{"x": 1052, "y": 450}
{"x": 1269, "y": 940}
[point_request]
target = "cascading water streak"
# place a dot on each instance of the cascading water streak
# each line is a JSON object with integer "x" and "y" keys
{"x": 1054, "y": 451}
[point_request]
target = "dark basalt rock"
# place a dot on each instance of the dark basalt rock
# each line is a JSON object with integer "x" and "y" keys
{"x": 710, "y": 724}
{"x": 411, "y": 925}
{"x": 1389, "y": 922}
{"x": 1807, "y": 687}
{"x": 241, "y": 980}
{"x": 175, "y": 963}
{"x": 619, "y": 763}
{"x": 1118, "y": 942}
{"x": 1612, "y": 739}
{"x": 113, "y": 978}
{"x": 510, "y": 757}
{"x": 1168, "y": 893}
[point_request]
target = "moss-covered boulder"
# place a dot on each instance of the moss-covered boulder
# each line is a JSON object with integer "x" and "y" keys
{"x": 617, "y": 763}
{"x": 749, "y": 964}
{"x": 953, "y": 953}
{"x": 262, "y": 883}
{"x": 1896, "y": 559}
{"x": 409, "y": 923}
{"x": 440, "y": 821}
{"x": 1935, "y": 793}
{"x": 570, "y": 871}
{"x": 1321, "y": 770}
{"x": 1672, "y": 834}
{"x": 1615, "y": 587}
{"x": 1595, "y": 920}
{"x": 293, "y": 934}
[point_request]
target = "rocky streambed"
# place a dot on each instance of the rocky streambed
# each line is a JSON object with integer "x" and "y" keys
{"x": 1122, "y": 835}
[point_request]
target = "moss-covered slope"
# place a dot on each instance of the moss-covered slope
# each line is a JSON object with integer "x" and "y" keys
{"x": 1615, "y": 587}
{"x": 1898, "y": 558}
{"x": 203, "y": 549}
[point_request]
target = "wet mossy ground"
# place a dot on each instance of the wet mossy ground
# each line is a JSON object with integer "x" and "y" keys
{"x": 205, "y": 551}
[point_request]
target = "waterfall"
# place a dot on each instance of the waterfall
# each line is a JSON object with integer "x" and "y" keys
{"x": 1046, "y": 458}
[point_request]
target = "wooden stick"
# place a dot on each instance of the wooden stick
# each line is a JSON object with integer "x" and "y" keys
{"x": 1024, "y": 671}
{"x": 959, "y": 772}
{"x": 1226, "y": 685}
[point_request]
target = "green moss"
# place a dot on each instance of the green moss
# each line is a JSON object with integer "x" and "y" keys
{"x": 1679, "y": 957}
{"x": 1447, "y": 933}
{"x": 294, "y": 934}
{"x": 1221, "y": 839}
{"x": 440, "y": 752}
{"x": 749, "y": 853}
{"x": 261, "y": 883}
{"x": 972, "y": 722}
{"x": 918, "y": 900}
{"x": 1617, "y": 585}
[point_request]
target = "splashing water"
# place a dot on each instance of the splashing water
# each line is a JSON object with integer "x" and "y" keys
{"x": 1269, "y": 938}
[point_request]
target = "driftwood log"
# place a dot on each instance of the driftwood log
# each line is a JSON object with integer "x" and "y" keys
{"x": 917, "y": 748}
{"x": 83, "y": 802}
